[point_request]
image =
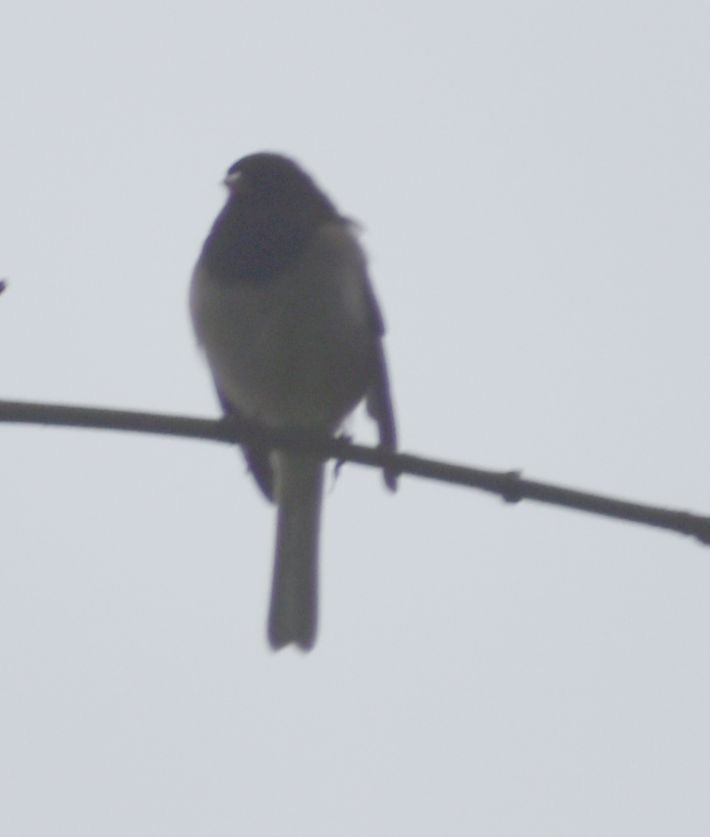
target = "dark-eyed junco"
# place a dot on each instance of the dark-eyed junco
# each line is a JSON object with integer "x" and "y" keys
{"x": 282, "y": 304}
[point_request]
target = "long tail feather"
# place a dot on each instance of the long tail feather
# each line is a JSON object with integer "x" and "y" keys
{"x": 293, "y": 615}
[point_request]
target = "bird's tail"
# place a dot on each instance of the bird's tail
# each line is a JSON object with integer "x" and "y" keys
{"x": 293, "y": 614}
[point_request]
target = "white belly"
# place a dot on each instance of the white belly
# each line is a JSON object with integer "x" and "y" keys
{"x": 296, "y": 351}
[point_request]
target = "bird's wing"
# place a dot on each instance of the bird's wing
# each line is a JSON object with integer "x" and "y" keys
{"x": 379, "y": 398}
{"x": 257, "y": 459}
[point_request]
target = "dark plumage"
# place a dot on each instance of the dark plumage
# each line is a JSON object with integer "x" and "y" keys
{"x": 272, "y": 211}
{"x": 282, "y": 304}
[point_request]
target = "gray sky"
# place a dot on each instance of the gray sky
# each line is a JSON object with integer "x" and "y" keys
{"x": 534, "y": 185}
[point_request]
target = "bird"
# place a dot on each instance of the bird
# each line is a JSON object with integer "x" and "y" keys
{"x": 284, "y": 310}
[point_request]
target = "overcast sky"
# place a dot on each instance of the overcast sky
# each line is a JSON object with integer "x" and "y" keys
{"x": 533, "y": 181}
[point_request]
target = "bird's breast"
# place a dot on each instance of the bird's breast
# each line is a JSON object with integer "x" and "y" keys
{"x": 296, "y": 350}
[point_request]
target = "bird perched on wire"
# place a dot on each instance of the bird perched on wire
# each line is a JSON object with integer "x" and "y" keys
{"x": 283, "y": 307}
